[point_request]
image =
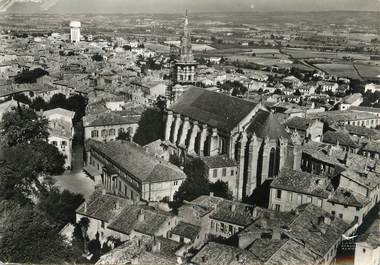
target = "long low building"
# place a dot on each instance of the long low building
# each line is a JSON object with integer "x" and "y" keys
{"x": 350, "y": 117}
{"x": 127, "y": 170}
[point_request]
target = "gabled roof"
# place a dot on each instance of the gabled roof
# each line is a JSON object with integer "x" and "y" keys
{"x": 298, "y": 123}
{"x": 346, "y": 197}
{"x": 59, "y": 111}
{"x": 133, "y": 159}
{"x": 186, "y": 230}
{"x": 301, "y": 182}
{"x": 336, "y": 137}
{"x": 109, "y": 118}
{"x": 128, "y": 220}
{"x": 102, "y": 206}
{"x": 264, "y": 124}
{"x": 214, "y": 253}
{"x": 215, "y": 109}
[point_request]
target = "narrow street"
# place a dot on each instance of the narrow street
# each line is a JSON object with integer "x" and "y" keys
{"x": 76, "y": 180}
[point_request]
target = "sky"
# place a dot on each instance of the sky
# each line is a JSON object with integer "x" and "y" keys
{"x": 174, "y": 6}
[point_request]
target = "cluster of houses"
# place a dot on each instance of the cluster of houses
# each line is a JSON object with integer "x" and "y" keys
{"x": 314, "y": 170}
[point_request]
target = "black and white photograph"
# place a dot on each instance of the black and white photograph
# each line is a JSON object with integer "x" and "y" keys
{"x": 189, "y": 132}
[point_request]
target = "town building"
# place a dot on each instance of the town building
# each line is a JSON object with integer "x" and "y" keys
{"x": 367, "y": 250}
{"x": 372, "y": 87}
{"x": 307, "y": 235}
{"x": 305, "y": 128}
{"x": 61, "y": 132}
{"x": 127, "y": 170}
{"x": 217, "y": 217}
{"x": 205, "y": 123}
{"x": 110, "y": 125}
{"x": 184, "y": 72}
{"x": 75, "y": 31}
{"x": 221, "y": 168}
{"x": 349, "y": 117}
{"x": 350, "y": 101}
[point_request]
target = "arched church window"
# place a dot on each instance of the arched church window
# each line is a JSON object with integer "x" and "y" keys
{"x": 273, "y": 163}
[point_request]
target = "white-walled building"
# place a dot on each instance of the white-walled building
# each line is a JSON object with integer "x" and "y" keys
{"x": 127, "y": 170}
{"x": 61, "y": 132}
{"x": 75, "y": 31}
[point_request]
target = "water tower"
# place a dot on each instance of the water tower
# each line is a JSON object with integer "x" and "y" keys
{"x": 75, "y": 31}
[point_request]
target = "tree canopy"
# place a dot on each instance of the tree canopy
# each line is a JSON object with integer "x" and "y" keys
{"x": 150, "y": 128}
{"x": 22, "y": 125}
{"x": 196, "y": 184}
{"x": 30, "y": 76}
{"x": 29, "y": 238}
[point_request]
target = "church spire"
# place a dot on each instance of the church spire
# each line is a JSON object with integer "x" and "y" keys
{"x": 186, "y": 47}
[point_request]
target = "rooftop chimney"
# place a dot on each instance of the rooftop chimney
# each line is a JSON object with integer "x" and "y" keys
{"x": 104, "y": 192}
{"x": 211, "y": 194}
{"x": 233, "y": 207}
{"x": 327, "y": 220}
{"x": 276, "y": 234}
{"x": 141, "y": 216}
{"x": 85, "y": 206}
{"x": 156, "y": 248}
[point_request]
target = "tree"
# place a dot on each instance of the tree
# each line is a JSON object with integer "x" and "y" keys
{"x": 196, "y": 184}
{"x": 39, "y": 104}
{"x": 23, "y": 125}
{"x": 59, "y": 207}
{"x": 220, "y": 189}
{"x": 22, "y": 98}
{"x": 125, "y": 136}
{"x": 57, "y": 101}
{"x": 150, "y": 128}
{"x": 29, "y": 238}
{"x": 97, "y": 58}
{"x": 30, "y": 76}
{"x": 127, "y": 47}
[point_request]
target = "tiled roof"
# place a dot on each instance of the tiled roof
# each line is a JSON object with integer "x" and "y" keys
{"x": 136, "y": 161}
{"x": 235, "y": 213}
{"x": 305, "y": 227}
{"x": 140, "y": 248}
{"x": 352, "y": 98}
{"x": 186, "y": 230}
{"x": 367, "y": 109}
{"x": 371, "y": 146}
{"x": 220, "y": 161}
{"x": 301, "y": 182}
{"x": 342, "y": 138}
{"x": 128, "y": 220}
{"x": 214, "y": 253}
{"x": 102, "y": 207}
{"x": 60, "y": 111}
{"x": 109, "y": 118}
{"x": 298, "y": 123}
{"x": 264, "y": 124}
{"x": 341, "y": 116}
{"x": 292, "y": 253}
{"x": 215, "y": 109}
{"x": 303, "y": 237}
{"x": 60, "y": 128}
{"x": 346, "y": 197}
{"x": 367, "y": 179}
{"x": 362, "y": 131}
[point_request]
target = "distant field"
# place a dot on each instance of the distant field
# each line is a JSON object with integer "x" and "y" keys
{"x": 341, "y": 70}
{"x": 368, "y": 71}
{"x": 305, "y": 54}
{"x": 258, "y": 60}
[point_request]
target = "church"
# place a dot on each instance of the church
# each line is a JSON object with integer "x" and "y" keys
{"x": 202, "y": 123}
